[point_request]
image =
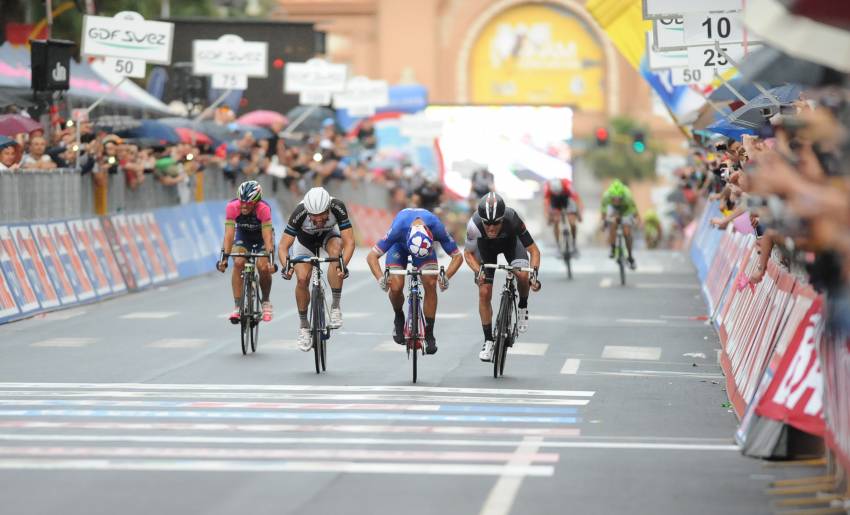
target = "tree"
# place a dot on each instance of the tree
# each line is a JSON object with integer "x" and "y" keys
{"x": 618, "y": 158}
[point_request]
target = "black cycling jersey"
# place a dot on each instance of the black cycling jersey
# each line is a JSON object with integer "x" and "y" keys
{"x": 302, "y": 227}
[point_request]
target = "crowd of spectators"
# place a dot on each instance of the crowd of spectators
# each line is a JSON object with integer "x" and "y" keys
{"x": 296, "y": 160}
{"x": 790, "y": 186}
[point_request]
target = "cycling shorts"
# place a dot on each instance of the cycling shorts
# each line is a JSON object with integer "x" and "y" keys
{"x": 515, "y": 254}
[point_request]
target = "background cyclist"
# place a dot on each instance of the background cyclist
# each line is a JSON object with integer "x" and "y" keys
{"x": 318, "y": 222}
{"x": 248, "y": 229}
{"x": 559, "y": 196}
{"x": 618, "y": 206}
{"x": 420, "y": 228}
{"x": 495, "y": 229}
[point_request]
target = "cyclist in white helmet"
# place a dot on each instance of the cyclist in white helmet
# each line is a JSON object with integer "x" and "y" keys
{"x": 248, "y": 229}
{"x": 318, "y": 222}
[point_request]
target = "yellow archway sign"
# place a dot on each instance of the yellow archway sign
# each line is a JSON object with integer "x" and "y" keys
{"x": 537, "y": 54}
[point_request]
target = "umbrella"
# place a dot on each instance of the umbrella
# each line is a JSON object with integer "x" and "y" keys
{"x": 187, "y": 135}
{"x": 116, "y": 123}
{"x": 312, "y": 121}
{"x": 729, "y": 129}
{"x": 773, "y": 66}
{"x": 755, "y": 113}
{"x": 257, "y": 132}
{"x": 815, "y": 30}
{"x": 262, "y": 118}
{"x": 741, "y": 85}
{"x": 12, "y": 124}
{"x": 153, "y": 130}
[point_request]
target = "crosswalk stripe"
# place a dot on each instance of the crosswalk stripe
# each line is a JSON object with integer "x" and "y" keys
{"x": 529, "y": 349}
{"x": 630, "y": 352}
{"x": 149, "y": 315}
{"x": 571, "y": 366}
{"x": 274, "y": 415}
{"x": 386, "y": 397}
{"x": 64, "y": 342}
{"x": 311, "y": 388}
{"x": 178, "y": 343}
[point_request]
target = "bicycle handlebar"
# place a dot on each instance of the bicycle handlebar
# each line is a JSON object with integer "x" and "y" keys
{"x": 249, "y": 255}
{"x": 508, "y": 267}
{"x": 314, "y": 259}
{"x": 406, "y": 271}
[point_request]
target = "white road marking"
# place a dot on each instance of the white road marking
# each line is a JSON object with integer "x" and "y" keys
{"x": 389, "y": 397}
{"x": 149, "y": 315}
{"x": 301, "y": 387}
{"x": 657, "y": 373}
{"x": 388, "y": 347}
{"x": 695, "y": 355}
{"x": 504, "y": 492}
{"x": 666, "y": 286}
{"x": 452, "y": 316}
{"x": 348, "y": 315}
{"x": 606, "y": 282}
{"x": 280, "y": 345}
{"x": 547, "y": 318}
{"x": 178, "y": 343}
{"x": 580, "y": 443}
{"x": 628, "y": 352}
{"x": 283, "y": 466}
{"x": 646, "y": 321}
{"x": 528, "y": 349}
{"x": 64, "y": 342}
{"x": 571, "y": 366}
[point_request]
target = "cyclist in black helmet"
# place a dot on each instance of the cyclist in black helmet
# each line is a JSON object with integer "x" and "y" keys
{"x": 495, "y": 229}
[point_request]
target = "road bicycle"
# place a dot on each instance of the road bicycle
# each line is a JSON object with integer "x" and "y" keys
{"x": 620, "y": 251}
{"x": 320, "y": 333}
{"x": 505, "y": 329}
{"x": 250, "y": 312}
{"x": 414, "y": 326}
{"x": 567, "y": 250}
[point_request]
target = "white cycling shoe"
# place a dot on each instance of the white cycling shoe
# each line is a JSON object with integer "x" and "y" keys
{"x": 522, "y": 320}
{"x": 305, "y": 339}
{"x": 486, "y": 353}
{"x": 336, "y": 318}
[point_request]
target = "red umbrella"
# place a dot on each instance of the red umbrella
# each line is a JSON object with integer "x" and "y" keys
{"x": 186, "y": 135}
{"x": 13, "y": 124}
{"x": 263, "y": 118}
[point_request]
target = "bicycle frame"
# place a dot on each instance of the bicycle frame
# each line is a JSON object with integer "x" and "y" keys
{"x": 318, "y": 307}
{"x": 250, "y": 310}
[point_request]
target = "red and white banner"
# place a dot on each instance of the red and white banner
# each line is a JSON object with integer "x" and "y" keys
{"x": 835, "y": 358}
{"x": 795, "y": 395}
{"x": 16, "y": 274}
{"x": 71, "y": 260}
{"x": 34, "y": 265}
{"x": 53, "y": 263}
{"x": 84, "y": 242}
{"x": 108, "y": 260}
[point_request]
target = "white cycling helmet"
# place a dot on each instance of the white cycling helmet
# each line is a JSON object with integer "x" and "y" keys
{"x": 317, "y": 200}
{"x": 556, "y": 186}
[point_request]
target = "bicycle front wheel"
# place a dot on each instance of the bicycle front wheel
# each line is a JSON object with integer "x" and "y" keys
{"x": 246, "y": 318}
{"x": 414, "y": 332}
{"x": 316, "y": 327}
{"x": 500, "y": 346}
{"x": 255, "y": 322}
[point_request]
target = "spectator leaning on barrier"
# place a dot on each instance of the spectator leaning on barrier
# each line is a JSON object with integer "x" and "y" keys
{"x": 10, "y": 154}
{"x": 36, "y": 158}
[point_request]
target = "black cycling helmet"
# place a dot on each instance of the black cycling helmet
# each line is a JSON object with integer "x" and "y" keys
{"x": 491, "y": 208}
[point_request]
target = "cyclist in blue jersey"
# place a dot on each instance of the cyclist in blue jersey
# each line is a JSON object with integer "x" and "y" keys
{"x": 412, "y": 234}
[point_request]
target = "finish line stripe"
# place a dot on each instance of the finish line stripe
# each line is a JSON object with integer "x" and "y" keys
{"x": 294, "y": 428}
{"x": 293, "y": 406}
{"x": 390, "y": 397}
{"x": 303, "y": 387}
{"x": 273, "y": 415}
{"x": 285, "y": 466}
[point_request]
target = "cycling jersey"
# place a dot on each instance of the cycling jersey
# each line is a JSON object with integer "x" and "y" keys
{"x": 627, "y": 205}
{"x": 301, "y": 226}
{"x": 249, "y": 227}
{"x": 561, "y": 200}
{"x": 394, "y": 243}
{"x": 512, "y": 241}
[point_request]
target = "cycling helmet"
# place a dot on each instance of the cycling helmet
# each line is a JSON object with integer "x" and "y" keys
{"x": 491, "y": 208}
{"x": 250, "y": 191}
{"x": 617, "y": 189}
{"x": 317, "y": 200}
{"x": 556, "y": 186}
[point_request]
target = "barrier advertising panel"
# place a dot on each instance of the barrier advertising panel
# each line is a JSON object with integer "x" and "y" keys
{"x": 139, "y": 231}
{"x": 71, "y": 260}
{"x": 34, "y": 266}
{"x": 49, "y": 249}
{"x": 160, "y": 245}
{"x": 16, "y": 275}
{"x": 8, "y": 306}
{"x": 106, "y": 255}
{"x": 84, "y": 243}
{"x": 135, "y": 261}
{"x": 175, "y": 230}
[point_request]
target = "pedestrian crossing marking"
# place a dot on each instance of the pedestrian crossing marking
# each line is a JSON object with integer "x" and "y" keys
{"x": 64, "y": 342}
{"x": 149, "y": 315}
{"x": 178, "y": 343}
{"x": 528, "y": 349}
{"x": 630, "y": 352}
{"x": 388, "y": 347}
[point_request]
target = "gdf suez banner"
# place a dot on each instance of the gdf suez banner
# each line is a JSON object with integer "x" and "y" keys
{"x": 795, "y": 395}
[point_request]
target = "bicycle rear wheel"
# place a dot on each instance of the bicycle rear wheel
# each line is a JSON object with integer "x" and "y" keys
{"x": 325, "y": 333}
{"x": 255, "y": 322}
{"x": 621, "y": 261}
{"x": 568, "y": 252}
{"x": 246, "y": 316}
{"x": 414, "y": 331}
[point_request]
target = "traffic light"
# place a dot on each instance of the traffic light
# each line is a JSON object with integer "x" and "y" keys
{"x": 638, "y": 144}
{"x": 601, "y": 136}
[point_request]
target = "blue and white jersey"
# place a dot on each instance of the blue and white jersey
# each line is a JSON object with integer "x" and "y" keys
{"x": 400, "y": 228}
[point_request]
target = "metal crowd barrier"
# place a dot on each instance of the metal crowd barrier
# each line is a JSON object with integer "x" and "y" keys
{"x": 63, "y": 194}
{"x": 40, "y": 195}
